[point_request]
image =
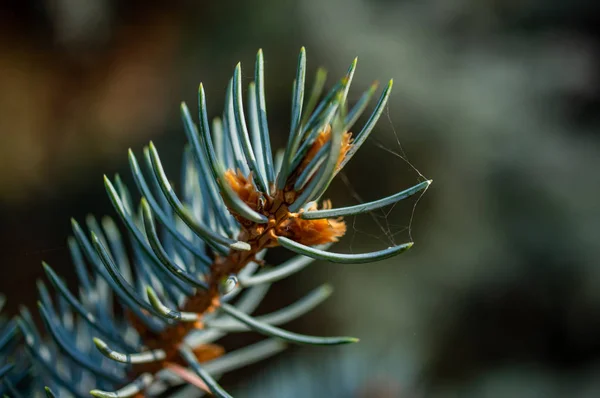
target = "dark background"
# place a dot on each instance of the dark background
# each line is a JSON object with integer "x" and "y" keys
{"x": 497, "y": 101}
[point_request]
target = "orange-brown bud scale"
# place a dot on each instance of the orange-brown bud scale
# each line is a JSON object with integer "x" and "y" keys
{"x": 207, "y": 352}
{"x": 312, "y": 232}
{"x": 323, "y": 137}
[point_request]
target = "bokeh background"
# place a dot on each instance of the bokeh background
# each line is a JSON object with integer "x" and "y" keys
{"x": 497, "y": 101}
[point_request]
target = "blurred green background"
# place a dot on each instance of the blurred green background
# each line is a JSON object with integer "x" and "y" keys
{"x": 497, "y": 101}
